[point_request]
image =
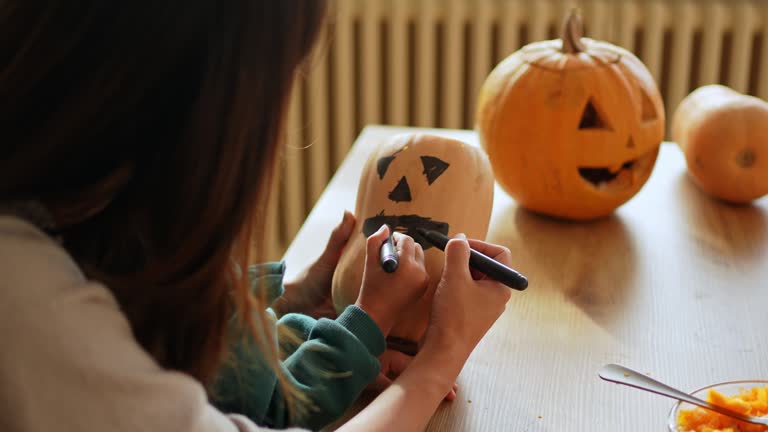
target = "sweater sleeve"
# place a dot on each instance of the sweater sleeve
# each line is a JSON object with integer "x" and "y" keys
{"x": 70, "y": 361}
{"x": 333, "y": 361}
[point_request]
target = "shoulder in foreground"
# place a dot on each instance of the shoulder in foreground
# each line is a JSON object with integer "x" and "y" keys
{"x": 32, "y": 264}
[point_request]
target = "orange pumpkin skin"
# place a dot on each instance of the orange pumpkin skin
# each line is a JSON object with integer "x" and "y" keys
{"x": 558, "y": 117}
{"x": 459, "y": 200}
{"x": 724, "y": 135}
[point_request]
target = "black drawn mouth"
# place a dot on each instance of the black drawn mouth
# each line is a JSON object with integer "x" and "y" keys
{"x": 621, "y": 177}
{"x": 406, "y": 224}
{"x": 601, "y": 176}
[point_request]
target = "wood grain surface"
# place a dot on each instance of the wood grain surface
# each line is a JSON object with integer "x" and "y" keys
{"x": 674, "y": 284}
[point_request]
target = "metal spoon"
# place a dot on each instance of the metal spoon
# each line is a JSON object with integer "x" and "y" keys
{"x": 622, "y": 375}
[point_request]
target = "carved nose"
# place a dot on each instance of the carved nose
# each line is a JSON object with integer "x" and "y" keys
{"x": 401, "y": 192}
{"x": 630, "y": 142}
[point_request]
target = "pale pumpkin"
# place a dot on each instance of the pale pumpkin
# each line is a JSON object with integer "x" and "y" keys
{"x": 724, "y": 135}
{"x": 412, "y": 181}
{"x": 572, "y": 127}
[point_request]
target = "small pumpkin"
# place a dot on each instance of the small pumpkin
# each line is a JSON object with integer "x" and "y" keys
{"x": 572, "y": 126}
{"x": 724, "y": 135}
{"x": 412, "y": 181}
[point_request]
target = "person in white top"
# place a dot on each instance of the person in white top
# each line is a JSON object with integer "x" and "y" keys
{"x": 138, "y": 142}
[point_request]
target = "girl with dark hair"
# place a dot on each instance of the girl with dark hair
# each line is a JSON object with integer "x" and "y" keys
{"x": 138, "y": 142}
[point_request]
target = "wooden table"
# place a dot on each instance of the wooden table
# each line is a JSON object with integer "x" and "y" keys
{"x": 675, "y": 285}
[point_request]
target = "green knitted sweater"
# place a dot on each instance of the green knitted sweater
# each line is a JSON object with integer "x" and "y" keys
{"x": 333, "y": 361}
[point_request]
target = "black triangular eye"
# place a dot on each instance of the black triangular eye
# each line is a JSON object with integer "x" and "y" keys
{"x": 382, "y": 164}
{"x": 433, "y": 167}
{"x": 649, "y": 111}
{"x": 401, "y": 192}
{"x": 592, "y": 119}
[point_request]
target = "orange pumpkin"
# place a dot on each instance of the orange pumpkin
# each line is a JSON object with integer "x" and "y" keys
{"x": 416, "y": 180}
{"x": 724, "y": 135}
{"x": 572, "y": 127}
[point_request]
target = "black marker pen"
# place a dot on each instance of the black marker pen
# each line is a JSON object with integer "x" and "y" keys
{"x": 388, "y": 255}
{"x": 480, "y": 262}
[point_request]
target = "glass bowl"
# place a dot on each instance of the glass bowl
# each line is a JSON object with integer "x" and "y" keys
{"x": 728, "y": 389}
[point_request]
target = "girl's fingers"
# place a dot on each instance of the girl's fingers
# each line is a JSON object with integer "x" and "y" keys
{"x": 451, "y": 396}
{"x": 336, "y": 242}
{"x": 419, "y": 253}
{"x": 404, "y": 244}
{"x": 457, "y": 257}
{"x": 497, "y": 252}
{"x": 342, "y": 232}
{"x": 477, "y": 275}
{"x": 373, "y": 245}
{"x": 380, "y": 383}
{"x": 398, "y": 362}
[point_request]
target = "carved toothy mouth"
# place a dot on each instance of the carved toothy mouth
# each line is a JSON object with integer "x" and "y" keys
{"x": 598, "y": 176}
{"x": 406, "y": 224}
{"x": 621, "y": 176}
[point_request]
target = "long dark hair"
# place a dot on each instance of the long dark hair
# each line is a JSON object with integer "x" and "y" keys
{"x": 149, "y": 129}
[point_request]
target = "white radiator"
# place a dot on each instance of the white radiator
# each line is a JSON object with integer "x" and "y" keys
{"x": 422, "y": 62}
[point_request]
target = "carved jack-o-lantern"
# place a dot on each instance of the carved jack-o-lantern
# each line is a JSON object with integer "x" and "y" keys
{"x": 572, "y": 127}
{"x": 412, "y": 181}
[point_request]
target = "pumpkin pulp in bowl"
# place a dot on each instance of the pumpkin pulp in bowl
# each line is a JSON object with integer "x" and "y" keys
{"x": 747, "y": 397}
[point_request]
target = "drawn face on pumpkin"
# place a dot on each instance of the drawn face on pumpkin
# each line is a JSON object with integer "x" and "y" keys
{"x": 571, "y": 135}
{"x": 611, "y": 153}
{"x": 404, "y": 192}
{"x": 410, "y": 181}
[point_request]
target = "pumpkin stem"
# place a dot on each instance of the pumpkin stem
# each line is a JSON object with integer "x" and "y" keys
{"x": 746, "y": 158}
{"x": 573, "y": 29}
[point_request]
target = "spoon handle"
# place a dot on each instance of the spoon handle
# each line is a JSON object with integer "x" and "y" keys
{"x": 622, "y": 375}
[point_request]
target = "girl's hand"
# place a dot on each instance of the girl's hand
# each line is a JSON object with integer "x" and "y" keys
{"x": 465, "y": 306}
{"x": 384, "y": 295}
{"x": 393, "y": 363}
{"x": 310, "y": 292}
{"x": 466, "y": 303}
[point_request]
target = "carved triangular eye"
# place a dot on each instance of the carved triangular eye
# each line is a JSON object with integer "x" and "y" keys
{"x": 382, "y": 164}
{"x": 591, "y": 118}
{"x": 401, "y": 192}
{"x": 649, "y": 110}
{"x": 433, "y": 167}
